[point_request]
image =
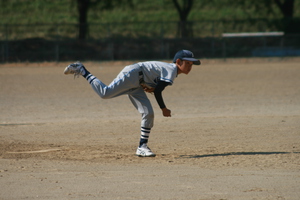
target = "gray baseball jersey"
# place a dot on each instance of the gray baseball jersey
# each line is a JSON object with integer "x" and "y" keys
{"x": 155, "y": 70}
{"x": 127, "y": 82}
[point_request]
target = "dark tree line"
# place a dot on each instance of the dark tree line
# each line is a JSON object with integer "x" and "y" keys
{"x": 83, "y": 7}
{"x": 184, "y": 8}
{"x": 183, "y": 11}
{"x": 286, "y": 7}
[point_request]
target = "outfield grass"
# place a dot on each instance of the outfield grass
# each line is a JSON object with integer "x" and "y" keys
{"x": 64, "y": 11}
{"x": 57, "y": 19}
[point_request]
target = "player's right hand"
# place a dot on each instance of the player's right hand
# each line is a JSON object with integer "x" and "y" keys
{"x": 149, "y": 90}
{"x": 166, "y": 112}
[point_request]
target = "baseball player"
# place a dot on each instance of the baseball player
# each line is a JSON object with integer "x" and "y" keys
{"x": 134, "y": 80}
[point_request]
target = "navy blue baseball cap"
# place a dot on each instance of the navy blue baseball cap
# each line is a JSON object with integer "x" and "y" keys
{"x": 186, "y": 55}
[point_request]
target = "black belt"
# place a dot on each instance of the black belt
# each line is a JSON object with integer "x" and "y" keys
{"x": 142, "y": 82}
{"x": 141, "y": 78}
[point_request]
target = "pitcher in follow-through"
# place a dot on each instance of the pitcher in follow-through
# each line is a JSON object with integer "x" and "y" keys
{"x": 134, "y": 80}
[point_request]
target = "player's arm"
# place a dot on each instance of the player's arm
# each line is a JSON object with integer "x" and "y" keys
{"x": 158, "y": 96}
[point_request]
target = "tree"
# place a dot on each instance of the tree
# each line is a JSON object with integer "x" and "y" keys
{"x": 83, "y": 7}
{"x": 272, "y": 7}
{"x": 183, "y": 27}
{"x": 286, "y": 7}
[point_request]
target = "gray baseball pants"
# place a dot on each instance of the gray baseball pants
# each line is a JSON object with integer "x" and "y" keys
{"x": 127, "y": 82}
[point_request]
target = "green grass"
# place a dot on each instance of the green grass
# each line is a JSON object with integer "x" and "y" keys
{"x": 64, "y": 11}
{"x": 61, "y": 16}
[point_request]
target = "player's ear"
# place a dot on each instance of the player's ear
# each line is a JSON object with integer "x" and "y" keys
{"x": 178, "y": 61}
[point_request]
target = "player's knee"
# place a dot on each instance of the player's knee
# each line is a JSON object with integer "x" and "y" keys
{"x": 149, "y": 116}
{"x": 148, "y": 120}
{"x": 104, "y": 97}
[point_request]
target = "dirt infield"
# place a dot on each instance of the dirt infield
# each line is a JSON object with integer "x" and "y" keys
{"x": 234, "y": 134}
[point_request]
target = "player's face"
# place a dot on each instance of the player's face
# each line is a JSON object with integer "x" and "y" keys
{"x": 185, "y": 66}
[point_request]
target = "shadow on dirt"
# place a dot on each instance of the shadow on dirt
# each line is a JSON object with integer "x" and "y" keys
{"x": 234, "y": 154}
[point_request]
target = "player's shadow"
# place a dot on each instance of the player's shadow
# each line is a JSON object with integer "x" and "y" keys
{"x": 235, "y": 153}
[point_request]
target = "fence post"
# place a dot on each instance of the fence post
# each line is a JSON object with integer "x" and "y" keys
{"x": 5, "y": 46}
{"x": 162, "y": 49}
{"x": 2, "y": 52}
{"x": 56, "y": 53}
{"x": 111, "y": 49}
{"x": 224, "y": 49}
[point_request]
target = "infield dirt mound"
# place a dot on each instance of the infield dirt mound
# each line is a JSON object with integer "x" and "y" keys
{"x": 234, "y": 134}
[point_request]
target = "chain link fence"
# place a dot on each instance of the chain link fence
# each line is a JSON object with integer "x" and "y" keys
{"x": 144, "y": 40}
